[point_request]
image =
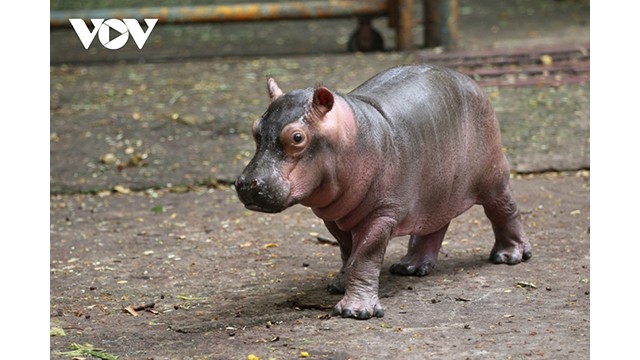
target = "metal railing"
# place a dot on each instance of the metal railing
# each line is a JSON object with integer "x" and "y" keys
{"x": 440, "y": 15}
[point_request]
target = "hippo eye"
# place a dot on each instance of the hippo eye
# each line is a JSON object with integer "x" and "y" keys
{"x": 298, "y": 137}
{"x": 294, "y": 140}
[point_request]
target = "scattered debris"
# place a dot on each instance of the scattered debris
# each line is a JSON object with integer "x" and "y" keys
{"x": 190, "y": 298}
{"x": 133, "y": 310}
{"x": 121, "y": 189}
{"x": 325, "y": 240}
{"x": 298, "y": 305}
{"x": 78, "y": 350}
{"x": 273, "y": 339}
{"x": 157, "y": 209}
{"x": 108, "y": 159}
{"x": 56, "y": 331}
{"x": 525, "y": 284}
{"x": 546, "y": 60}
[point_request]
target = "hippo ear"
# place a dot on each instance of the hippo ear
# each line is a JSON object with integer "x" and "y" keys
{"x": 322, "y": 102}
{"x": 273, "y": 88}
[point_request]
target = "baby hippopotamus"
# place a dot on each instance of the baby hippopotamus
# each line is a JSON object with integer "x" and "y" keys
{"x": 403, "y": 154}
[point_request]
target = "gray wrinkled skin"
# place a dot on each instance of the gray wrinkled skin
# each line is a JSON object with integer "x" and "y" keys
{"x": 403, "y": 154}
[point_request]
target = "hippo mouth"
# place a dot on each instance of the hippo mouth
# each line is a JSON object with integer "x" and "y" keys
{"x": 256, "y": 207}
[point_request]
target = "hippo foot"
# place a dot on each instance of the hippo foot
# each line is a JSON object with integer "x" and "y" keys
{"x": 510, "y": 256}
{"x": 360, "y": 310}
{"x": 410, "y": 268}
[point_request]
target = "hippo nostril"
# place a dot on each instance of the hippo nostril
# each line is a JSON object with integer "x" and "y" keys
{"x": 241, "y": 182}
{"x": 254, "y": 183}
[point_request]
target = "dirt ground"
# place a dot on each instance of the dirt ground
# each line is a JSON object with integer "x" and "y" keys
{"x": 143, "y": 216}
{"x": 223, "y": 283}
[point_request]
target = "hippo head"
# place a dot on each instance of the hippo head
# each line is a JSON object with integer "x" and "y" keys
{"x": 287, "y": 166}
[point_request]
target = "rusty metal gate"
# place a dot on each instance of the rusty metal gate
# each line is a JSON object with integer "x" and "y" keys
{"x": 440, "y": 17}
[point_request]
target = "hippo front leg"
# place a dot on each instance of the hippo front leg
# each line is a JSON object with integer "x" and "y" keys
{"x": 362, "y": 271}
{"x": 337, "y": 284}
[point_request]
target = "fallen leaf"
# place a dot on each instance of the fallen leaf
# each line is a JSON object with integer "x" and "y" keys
{"x": 524, "y": 284}
{"x": 56, "y": 331}
{"x": 137, "y": 160}
{"x": 157, "y": 209}
{"x": 121, "y": 189}
{"x": 190, "y": 298}
{"x": 87, "y": 350}
{"x": 108, "y": 159}
{"x": 546, "y": 60}
{"x": 130, "y": 310}
{"x": 326, "y": 240}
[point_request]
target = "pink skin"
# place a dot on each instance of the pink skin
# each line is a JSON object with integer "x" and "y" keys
{"x": 343, "y": 190}
{"x": 319, "y": 186}
{"x": 346, "y": 182}
{"x": 375, "y": 184}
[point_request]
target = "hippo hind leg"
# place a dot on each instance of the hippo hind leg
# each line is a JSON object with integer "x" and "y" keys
{"x": 512, "y": 245}
{"x": 422, "y": 254}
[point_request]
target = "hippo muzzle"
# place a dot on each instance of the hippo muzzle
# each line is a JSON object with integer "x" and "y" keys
{"x": 262, "y": 191}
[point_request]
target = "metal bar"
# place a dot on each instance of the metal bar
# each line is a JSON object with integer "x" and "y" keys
{"x": 532, "y": 70}
{"x": 404, "y": 25}
{"x": 537, "y": 81}
{"x": 449, "y": 28}
{"x": 431, "y": 17}
{"x": 231, "y": 13}
{"x": 498, "y": 62}
{"x": 440, "y": 23}
{"x": 523, "y": 52}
